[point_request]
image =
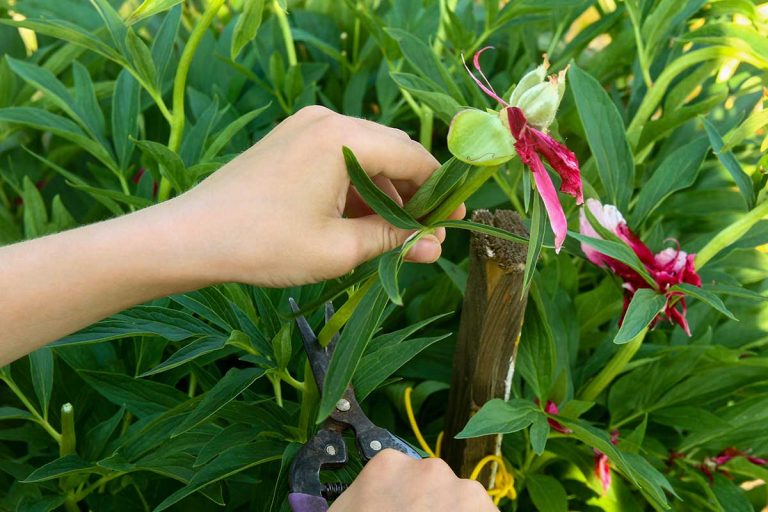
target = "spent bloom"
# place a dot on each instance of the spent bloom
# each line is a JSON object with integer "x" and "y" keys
{"x": 603, "y": 464}
{"x": 667, "y": 268}
{"x": 712, "y": 464}
{"x": 551, "y": 408}
{"x": 491, "y": 138}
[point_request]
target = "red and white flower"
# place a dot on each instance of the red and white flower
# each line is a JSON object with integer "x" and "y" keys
{"x": 492, "y": 138}
{"x": 668, "y": 268}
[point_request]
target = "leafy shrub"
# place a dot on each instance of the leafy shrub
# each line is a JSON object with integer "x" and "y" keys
{"x": 199, "y": 400}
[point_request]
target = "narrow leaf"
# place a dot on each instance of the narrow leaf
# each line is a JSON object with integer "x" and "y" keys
{"x": 705, "y": 296}
{"x": 743, "y": 181}
{"x": 643, "y": 308}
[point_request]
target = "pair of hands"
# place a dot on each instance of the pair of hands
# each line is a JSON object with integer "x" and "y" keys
{"x": 281, "y": 214}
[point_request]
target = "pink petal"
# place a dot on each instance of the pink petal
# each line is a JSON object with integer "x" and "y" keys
{"x": 562, "y": 160}
{"x": 757, "y": 460}
{"x": 484, "y": 85}
{"x": 689, "y": 272}
{"x": 517, "y": 121}
{"x": 678, "y": 317}
{"x": 551, "y": 202}
{"x": 603, "y": 470}
{"x": 639, "y": 248}
{"x": 585, "y": 228}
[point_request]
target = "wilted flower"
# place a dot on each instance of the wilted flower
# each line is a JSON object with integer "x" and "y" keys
{"x": 668, "y": 268}
{"x": 551, "y": 408}
{"x": 712, "y": 464}
{"x": 492, "y": 138}
{"x": 603, "y": 464}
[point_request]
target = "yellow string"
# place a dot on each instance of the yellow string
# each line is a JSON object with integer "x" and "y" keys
{"x": 504, "y": 483}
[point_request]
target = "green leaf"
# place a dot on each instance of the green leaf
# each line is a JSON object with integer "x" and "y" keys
{"x": 426, "y": 62}
{"x": 139, "y": 396}
{"x": 163, "y": 44}
{"x": 234, "y": 382}
{"x": 499, "y": 417}
{"x": 443, "y": 105}
{"x": 380, "y": 202}
{"x": 547, "y": 493}
{"x": 705, "y": 296}
{"x": 393, "y": 338}
{"x": 114, "y": 23}
{"x": 752, "y": 125}
{"x": 12, "y": 413}
{"x": 376, "y": 367}
{"x": 141, "y": 58}
{"x": 605, "y": 134}
{"x": 225, "y": 136}
{"x": 743, "y": 181}
{"x": 282, "y": 347}
{"x": 35, "y": 215}
{"x": 169, "y": 163}
{"x": 125, "y": 116}
{"x": 351, "y": 347}
{"x": 150, "y": 8}
{"x": 189, "y": 352}
{"x": 536, "y": 240}
{"x": 539, "y": 432}
{"x": 170, "y": 324}
{"x": 45, "y": 121}
{"x": 643, "y": 308}
{"x": 618, "y": 251}
{"x": 537, "y": 356}
{"x": 88, "y": 104}
{"x": 247, "y": 25}
{"x": 228, "y": 463}
{"x": 478, "y": 138}
{"x": 41, "y": 371}
{"x": 447, "y": 178}
{"x": 389, "y": 268}
{"x": 729, "y": 496}
{"x": 676, "y": 172}
{"x": 481, "y": 228}
{"x": 103, "y": 194}
{"x": 65, "y": 466}
{"x": 69, "y": 32}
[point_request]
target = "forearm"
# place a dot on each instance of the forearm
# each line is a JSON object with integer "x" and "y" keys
{"x": 55, "y": 285}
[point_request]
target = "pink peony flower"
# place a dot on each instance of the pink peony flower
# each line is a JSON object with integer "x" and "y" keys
{"x": 520, "y": 128}
{"x": 667, "y": 268}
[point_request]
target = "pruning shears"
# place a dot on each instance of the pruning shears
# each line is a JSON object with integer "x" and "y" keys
{"x": 327, "y": 449}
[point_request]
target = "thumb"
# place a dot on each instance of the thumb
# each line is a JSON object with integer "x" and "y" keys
{"x": 372, "y": 236}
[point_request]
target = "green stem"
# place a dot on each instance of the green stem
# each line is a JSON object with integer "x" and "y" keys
{"x": 285, "y": 28}
{"x": 81, "y": 495}
{"x": 309, "y": 400}
{"x": 31, "y": 408}
{"x": 614, "y": 367}
{"x": 644, "y": 67}
{"x": 277, "y": 388}
{"x": 731, "y": 234}
{"x": 192, "y": 384}
{"x": 180, "y": 82}
{"x": 68, "y": 443}
{"x": 477, "y": 176}
{"x": 427, "y": 124}
{"x": 291, "y": 381}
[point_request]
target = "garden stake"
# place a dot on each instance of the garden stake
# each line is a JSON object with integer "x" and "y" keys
{"x": 491, "y": 320}
{"x": 327, "y": 448}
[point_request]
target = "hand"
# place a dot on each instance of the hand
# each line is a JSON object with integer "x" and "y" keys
{"x": 283, "y": 213}
{"x": 394, "y": 482}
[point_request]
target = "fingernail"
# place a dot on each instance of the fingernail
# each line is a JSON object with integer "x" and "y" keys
{"x": 426, "y": 250}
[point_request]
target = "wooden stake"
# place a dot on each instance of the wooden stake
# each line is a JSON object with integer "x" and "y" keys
{"x": 491, "y": 319}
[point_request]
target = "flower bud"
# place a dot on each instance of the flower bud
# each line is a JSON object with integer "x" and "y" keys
{"x": 537, "y": 98}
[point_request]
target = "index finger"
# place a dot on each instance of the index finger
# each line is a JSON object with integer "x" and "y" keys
{"x": 389, "y": 152}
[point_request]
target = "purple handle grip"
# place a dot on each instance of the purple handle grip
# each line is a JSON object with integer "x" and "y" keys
{"x": 307, "y": 503}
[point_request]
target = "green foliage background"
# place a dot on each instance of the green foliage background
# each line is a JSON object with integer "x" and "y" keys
{"x": 199, "y": 400}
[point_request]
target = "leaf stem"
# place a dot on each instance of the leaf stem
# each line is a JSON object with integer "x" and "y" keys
{"x": 291, "y": 381}
{"x": 623, "y": 355}
{"x": 309, "y": 401}
{"x": 179, "y": 86}
{"x": 477, "y": 177}
{"x": 31, "y": 408}
{"x": 68, "y": 443}
{"x": 285, "y": 28}
{"x": 731, "y": 234}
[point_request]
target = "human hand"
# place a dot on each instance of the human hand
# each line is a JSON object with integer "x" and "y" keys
{"x": 394, "y": 482}
{"x": 283, "y": 213}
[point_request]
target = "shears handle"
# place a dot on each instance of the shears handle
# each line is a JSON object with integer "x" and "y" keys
{"x": 307, "y": 503}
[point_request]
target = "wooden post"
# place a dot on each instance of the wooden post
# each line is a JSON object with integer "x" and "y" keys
{"x": 491, "y": 319}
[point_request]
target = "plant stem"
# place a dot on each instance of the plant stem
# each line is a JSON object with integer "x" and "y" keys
{"x": 291, "y": 381}
{"x": 285, "y": 28}
{"x": 68, "y": 443}
{"x": 309, "y": 400}
{"x": 277, "y": 388}
{"x": 614, "y": 367}
{"x": 192, "y": 384}
{"x": 477, "y": 176}
{"x": 179, "y": 86}
{"x": 31, "y": 408}
{"x": 427, "y": 124}
{"x": 731, "y": 234}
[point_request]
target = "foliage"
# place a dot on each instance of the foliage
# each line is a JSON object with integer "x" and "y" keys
{"x": 200, "y": 399}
